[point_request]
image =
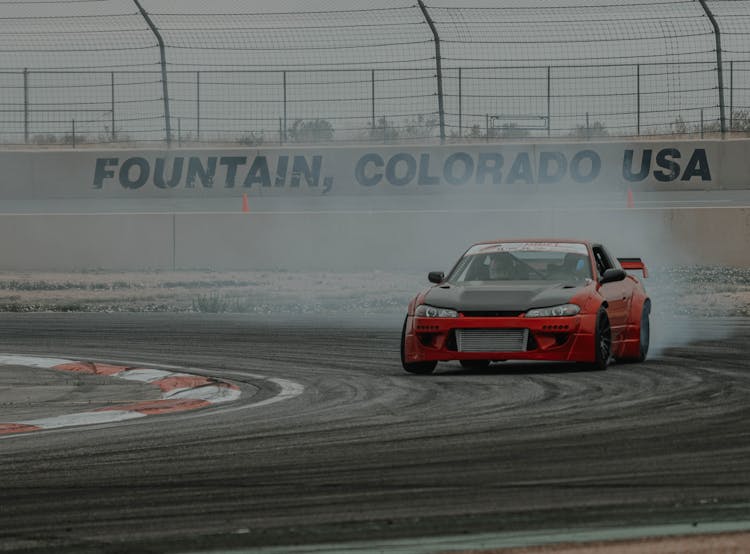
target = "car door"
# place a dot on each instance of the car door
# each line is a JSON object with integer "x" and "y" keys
{"x": 617, "y": 294}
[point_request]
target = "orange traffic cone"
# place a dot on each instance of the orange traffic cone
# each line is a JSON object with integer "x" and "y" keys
{"x": 630, "y": 197}
{"x": 245, "y": 203}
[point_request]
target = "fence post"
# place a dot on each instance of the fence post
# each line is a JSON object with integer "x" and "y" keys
{"x": 162, "y": 54}
{"x": 26, "y": 105}
{"x": 73, "y": 136}
{"x": 638, "y": 99}
{"x": 460, "y": 105}
{"x": 731, "y": 95}
{"x": 372, "y": 81}
{"x": 283, "y": 140}
{"x": 719, "y": 68}
{"x": 198, "y": 105}
{"x": 549, "y": 101}
{"x": 438, "y": 67}
{"x": 112, "y": 108}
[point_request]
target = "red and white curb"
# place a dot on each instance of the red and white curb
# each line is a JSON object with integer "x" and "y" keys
{"x": 180, "y": 392}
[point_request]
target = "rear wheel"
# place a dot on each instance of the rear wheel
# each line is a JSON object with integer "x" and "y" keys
{"x": 602, "y": 342}
{"x": 475, "y": 364}
{"x": 422, "y": 368}
{"x": 645, "y": 336}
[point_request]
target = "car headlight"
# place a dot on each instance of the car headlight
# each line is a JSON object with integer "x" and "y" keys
{"x": 555, "y": 311}
{"x": 424, "y": 310}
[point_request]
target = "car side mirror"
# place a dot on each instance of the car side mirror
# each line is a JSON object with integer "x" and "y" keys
{"x": 612, "y": 275}
{"x": 436, "y": 277}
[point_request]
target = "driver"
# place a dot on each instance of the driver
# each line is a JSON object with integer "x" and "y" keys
{"x": 573, "y": 267}
{"x": 501, "y": 267}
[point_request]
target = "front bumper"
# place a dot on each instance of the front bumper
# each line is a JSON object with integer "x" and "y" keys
{"x": 568, "y": 339}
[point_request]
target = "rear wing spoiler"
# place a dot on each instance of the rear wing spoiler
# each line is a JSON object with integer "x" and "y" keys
{"x": 633, "y": 264}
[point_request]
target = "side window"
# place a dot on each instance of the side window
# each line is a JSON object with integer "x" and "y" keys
{"x": 481, "y": 268}
{"x": 603, "y": 262}
{"x": 613, "y": 262}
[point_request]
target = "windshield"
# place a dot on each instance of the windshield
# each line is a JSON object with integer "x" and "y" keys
{"x": 523, "y": 261}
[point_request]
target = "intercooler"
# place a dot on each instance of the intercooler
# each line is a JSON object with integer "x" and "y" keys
{"x": 492, "y": 340}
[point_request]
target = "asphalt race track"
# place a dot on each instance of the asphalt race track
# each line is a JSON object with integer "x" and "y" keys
{"x": 369, "y": 452}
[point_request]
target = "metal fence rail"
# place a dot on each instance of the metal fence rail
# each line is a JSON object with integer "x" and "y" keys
{"x": 96, "y": 72}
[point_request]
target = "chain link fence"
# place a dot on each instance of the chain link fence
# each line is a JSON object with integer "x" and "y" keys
{"x": 327, "y": 71}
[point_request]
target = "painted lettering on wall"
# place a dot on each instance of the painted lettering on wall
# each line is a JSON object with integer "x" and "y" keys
{"x": 193, "y": 172}
{"x": 585, "y": 166}
{"x": 667, "y": 168}
{"x": 462, "y": 168}
{"x": 393, "y": 169}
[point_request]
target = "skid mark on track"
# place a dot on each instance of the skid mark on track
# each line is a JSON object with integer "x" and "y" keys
{"x": 289, "y": 389}
{"x": 180, "y": 392}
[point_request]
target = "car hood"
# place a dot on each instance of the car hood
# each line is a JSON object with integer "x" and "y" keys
{"x": 511, "y": 296}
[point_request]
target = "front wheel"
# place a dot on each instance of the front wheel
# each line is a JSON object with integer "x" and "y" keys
{"x": 602, "y": 342}
{"x": 421, "y": 368}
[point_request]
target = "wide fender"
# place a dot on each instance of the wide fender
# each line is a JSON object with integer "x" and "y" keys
{"x": 639, "y": 303}
{"x": 631, "y": 344}
{"x": 411, "y": 348}
{"x": 591, "y": 304}
{"x": 416, "y": 301}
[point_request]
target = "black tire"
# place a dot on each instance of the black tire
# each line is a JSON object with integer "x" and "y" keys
{"x": 420, "y": 368}
{"x": 644, "y": 340}
{"x": 602, "y": 342}
{"x": 475, "y": 364}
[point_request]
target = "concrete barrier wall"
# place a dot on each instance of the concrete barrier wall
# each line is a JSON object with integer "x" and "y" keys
{"x": 356, "y": 241}
{"x": 374, "y": 170}
{"x": 85, "y": 241}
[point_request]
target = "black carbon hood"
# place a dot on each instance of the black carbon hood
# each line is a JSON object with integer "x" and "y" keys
{"x": 511, "y": 296}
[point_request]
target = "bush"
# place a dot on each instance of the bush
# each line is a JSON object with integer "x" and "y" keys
{"x": 311, "y": 130}
{"x": 382, "y": 131}
{"x": 212, "y": 303}
{"x": 597, "y": 129}
{"x": 251, "y": 139}
{"x": 741, "y": 121}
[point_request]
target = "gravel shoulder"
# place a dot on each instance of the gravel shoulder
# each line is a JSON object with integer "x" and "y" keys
{"x": 683, "y": 290}
{"x": 207, "y": 291}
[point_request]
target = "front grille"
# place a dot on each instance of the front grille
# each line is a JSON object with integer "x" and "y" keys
{"x": 492, "y": 340}
{"x": 492, "y": 314}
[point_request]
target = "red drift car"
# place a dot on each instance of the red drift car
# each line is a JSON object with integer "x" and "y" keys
{"x": 547, "y": 300}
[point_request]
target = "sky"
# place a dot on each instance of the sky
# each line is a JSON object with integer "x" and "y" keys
{"x": 254, "y": 54}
